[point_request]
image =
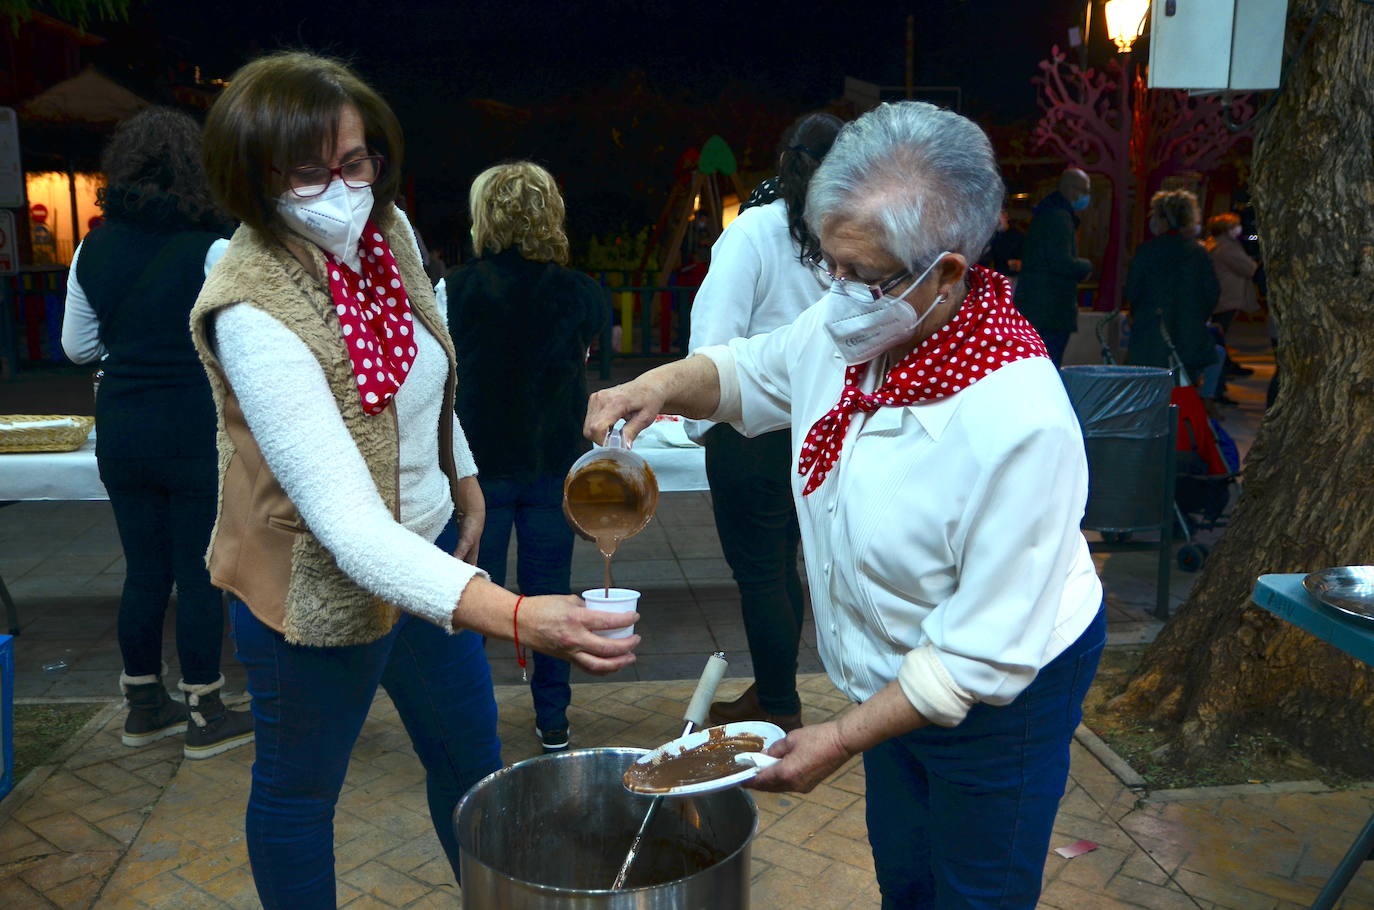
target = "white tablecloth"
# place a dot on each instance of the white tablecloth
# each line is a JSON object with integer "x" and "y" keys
{"x": 52, "y": 475}
{"x": 678, "y": 463}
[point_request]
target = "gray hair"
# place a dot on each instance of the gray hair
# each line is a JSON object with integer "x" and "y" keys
{"x": 925, "y": 177}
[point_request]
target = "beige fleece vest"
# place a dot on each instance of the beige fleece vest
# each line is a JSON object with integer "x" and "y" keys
{"x": 261, "y": 551}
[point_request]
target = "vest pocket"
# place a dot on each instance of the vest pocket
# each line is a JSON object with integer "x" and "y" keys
{"x": 286, "y": 524}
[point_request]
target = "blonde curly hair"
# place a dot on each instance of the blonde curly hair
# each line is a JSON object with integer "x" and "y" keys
{"x": 1174, "y": 210}
{"x": 518, "y": 204}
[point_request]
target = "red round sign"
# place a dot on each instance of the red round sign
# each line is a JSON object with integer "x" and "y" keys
{"x": 38, "y": 212}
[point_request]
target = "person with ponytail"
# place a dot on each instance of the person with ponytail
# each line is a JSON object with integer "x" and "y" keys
{"x": 760, "y": 279}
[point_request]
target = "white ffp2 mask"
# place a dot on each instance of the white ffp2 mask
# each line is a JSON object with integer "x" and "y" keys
{"x": 333, "y": 220}
{"x": 863, "y": 329}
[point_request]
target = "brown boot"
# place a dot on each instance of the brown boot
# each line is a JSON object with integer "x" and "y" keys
{"x": 747, "y": 707}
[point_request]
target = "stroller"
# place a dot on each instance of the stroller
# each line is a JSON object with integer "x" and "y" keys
{"x": 1207, "y": 461}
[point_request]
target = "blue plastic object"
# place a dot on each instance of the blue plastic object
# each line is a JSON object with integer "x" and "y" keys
{"x": 7, "y": 713}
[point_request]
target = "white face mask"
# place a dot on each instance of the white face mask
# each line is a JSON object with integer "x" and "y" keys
{"x": 333, "y": 220}
{"x": 863, "y": 329}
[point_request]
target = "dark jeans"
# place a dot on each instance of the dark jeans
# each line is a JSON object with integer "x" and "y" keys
{"x": 1056, "y": 343}
{"x": 751, "y": 494}
{"x": 309, "y": 705}
{"x": 961, "y": 817}
{"x": 543, "y": 565}
{"x": 164, "y": 509}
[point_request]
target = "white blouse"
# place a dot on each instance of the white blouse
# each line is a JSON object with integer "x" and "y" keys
{"x": 943, "y": 550}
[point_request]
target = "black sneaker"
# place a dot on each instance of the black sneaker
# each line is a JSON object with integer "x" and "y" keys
{"x": 553, "y": 740}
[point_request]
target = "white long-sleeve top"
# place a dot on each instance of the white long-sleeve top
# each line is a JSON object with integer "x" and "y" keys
{"x": 755, "y": 284}
{"x": 943, "y": 550}
{"x": 291, "y": 411}
{"x": 80, "y": 328}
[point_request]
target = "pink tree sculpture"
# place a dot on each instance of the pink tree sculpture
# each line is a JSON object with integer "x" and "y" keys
{"x": 1135, "y": 140}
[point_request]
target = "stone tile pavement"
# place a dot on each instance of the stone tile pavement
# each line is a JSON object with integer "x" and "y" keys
{"x": 110, "y": 827}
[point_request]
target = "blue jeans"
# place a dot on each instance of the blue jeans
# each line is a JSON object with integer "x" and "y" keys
{"x": 309, "y": 705}
{"x": 533, "y": 506}
{"x": 961, "y": 817}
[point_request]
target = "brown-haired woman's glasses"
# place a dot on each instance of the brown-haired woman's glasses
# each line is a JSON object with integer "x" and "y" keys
{"x": 309, "y": 181}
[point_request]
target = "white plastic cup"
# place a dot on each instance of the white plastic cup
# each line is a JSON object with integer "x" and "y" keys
{"x": 620, "y": 600}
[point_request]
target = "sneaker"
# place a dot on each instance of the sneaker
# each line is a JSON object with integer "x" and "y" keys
{"x": 152, "y": 713}
{"x": 747, "y": 707}
{"x": 555, "y": 740}
{"x": 212, "y": 728}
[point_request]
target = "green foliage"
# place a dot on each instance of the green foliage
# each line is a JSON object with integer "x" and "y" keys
{"x": 78, "y": 12}
{"x": 618, "y": 252}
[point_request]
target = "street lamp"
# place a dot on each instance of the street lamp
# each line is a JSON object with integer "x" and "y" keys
{"x": 1125, "y": 21}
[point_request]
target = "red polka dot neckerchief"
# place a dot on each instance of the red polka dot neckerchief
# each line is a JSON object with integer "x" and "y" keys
{"x": 375, "y": 319}
{"x": 987, "y": 333}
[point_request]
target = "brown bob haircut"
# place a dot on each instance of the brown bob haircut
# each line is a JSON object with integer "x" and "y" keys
{"x": 279, "y": 112}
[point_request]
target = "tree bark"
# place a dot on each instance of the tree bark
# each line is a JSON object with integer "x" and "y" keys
{"x": 1222, "y": 666}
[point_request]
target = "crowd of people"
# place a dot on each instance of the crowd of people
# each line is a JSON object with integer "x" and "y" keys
{"x": 298, "y": 414}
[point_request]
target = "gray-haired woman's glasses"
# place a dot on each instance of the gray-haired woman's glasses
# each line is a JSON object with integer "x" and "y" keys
{"x": 313, "y": 180}
{"x": 856, "y": 289}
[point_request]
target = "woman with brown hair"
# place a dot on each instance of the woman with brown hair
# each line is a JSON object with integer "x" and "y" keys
{"x": 349, "y": 504}
{"x": 522, "y": 323}
{"x": 132, "y": 283}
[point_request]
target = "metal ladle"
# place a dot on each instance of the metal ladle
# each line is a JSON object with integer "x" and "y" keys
{"x": 695, "y": 716}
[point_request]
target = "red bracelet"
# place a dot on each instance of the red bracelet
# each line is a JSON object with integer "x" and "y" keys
{"x": 519, "y": 651}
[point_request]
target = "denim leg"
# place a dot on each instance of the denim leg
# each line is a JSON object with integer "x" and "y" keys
{"x": 970, "y": 809}
{"x": 491, "y": 551}
{"x": 544, "y": 566}
{"x": 441, "y": 686}
{"x": 756, "y": 520}
{"x": 309, "y": 705}
{"x": 191, "y": 484}
{"x": 141, "y": 516}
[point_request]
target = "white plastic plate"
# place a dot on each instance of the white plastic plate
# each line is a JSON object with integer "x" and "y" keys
{"x": 770, "y": 733}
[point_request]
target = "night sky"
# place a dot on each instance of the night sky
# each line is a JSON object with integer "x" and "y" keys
{"x": 643, "y": 79}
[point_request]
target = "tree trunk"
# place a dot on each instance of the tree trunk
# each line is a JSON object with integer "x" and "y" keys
{"x": 1223, "y": 666}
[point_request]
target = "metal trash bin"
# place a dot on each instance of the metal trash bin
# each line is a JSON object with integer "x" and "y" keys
{"x": 1129, "y": 429}
{"x": 549, "y": 833}
{"x": 1124, "y": 413}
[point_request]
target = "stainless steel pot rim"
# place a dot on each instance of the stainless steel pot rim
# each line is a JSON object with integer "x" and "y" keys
{"x": 629, "y": 753}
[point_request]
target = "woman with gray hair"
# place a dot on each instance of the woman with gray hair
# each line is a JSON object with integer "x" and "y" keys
{"x": 939, "y": 478}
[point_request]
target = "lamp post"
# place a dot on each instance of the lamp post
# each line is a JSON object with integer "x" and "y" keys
{"x": 1125, "y": 23}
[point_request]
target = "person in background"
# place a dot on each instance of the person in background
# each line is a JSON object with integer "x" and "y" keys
{"x": 939, "y": 479}
{"x": 1172, "y": 284}
{"x": 349, "y": 502}
{"x": 1047, "y": 289}
{"x": 1004, "y": 250}
{"x": 521, "y": 324}
{"x": 133, "y": 281}
{"x": 1235, "y": 279}
{"x": 761, "y": 278}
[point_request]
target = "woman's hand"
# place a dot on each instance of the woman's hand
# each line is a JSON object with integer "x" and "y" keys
{"x": 561, "y": 625}
{"x": 638, "y": 402}
{"x": 472, "y": 515}
{"x": 809, "y": 755}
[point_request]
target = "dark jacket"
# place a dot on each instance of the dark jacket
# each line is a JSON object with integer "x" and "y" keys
{"x": 1171, "y": 278}
{"x": 141, "y": 282}
{"x": 1047, "y": 291}
{"x": 521, "y": 330}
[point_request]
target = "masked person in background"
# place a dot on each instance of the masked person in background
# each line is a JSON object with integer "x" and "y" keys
{"x": 939, "y": 478}
{"x": 349, "y": 508}
{"x": 761, "y": 278}
{"x": 1047, "y": 287}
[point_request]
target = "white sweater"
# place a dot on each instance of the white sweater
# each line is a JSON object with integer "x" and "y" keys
{"x": 291, "y": 411}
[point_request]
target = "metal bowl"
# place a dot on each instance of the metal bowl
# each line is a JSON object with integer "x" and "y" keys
{"x": 1349, "y": 589}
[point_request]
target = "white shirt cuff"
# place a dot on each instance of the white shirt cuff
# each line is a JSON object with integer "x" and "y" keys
{"x": 731, "y": 406}
{"x": 931, "y": 690}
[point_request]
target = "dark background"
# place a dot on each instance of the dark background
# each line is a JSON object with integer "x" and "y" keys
{"x": 606, "y": 94}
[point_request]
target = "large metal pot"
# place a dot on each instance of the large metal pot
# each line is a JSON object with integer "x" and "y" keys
{"x": 550, "y": 833}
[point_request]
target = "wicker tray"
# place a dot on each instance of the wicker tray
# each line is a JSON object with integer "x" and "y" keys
{"x": 43, "y": 432}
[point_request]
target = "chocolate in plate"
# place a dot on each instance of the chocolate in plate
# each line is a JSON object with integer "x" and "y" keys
{"x": 709, "y": 761}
